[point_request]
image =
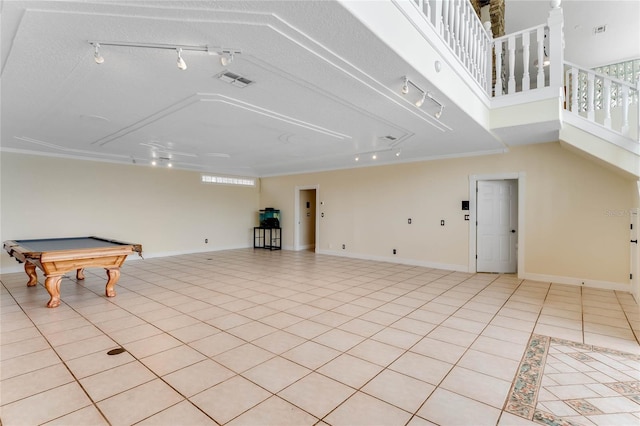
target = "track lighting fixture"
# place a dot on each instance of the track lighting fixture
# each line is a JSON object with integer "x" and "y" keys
{"x": 226, "y": 58}
{"x": 226, "y": 55}
{"x": 386, "y": 154}
{"x": 425, "y": 95}
{"x": 96, "y": 54}
{"x": 181, "y": 63}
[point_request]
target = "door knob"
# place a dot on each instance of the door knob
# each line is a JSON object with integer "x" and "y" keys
{"x": 513, "y": 231}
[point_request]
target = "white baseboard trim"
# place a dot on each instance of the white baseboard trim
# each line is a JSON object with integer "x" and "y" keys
{"x": 582, "y": 282}
{"x": 556, "y": 279}
{"x": 402, "y": 261}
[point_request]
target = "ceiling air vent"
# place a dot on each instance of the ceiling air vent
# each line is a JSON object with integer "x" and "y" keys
{"x": 389, "y": 138}
{"x": 599, "y": 29}
{"x": 234, "y": 79}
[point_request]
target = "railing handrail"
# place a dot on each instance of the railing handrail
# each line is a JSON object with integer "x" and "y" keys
{"x": 604, "y": 76}
{"x": 518, "y": 33}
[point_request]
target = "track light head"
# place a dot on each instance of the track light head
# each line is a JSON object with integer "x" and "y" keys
{"x": 226, "y": 58}
{"x": 181, "y": 63}
{"x": 439, "y": 113}
{"x": 96, "y": 54}
{"x": 420, "y": 101}
{"x": 405, "y": 86}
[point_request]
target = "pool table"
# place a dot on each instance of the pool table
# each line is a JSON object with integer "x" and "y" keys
{"x": 57, "y": 256}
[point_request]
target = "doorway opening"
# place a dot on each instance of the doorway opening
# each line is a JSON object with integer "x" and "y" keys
{"x": 306, "y": 214}
{"x": 496, "y": 218}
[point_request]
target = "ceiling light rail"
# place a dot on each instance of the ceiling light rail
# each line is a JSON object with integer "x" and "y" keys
{"x": 425, "y": 94}
{"x": 373, "y": 155}
{"x": 226, "y": 55}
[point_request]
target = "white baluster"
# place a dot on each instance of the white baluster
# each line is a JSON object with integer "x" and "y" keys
{"x": 606, "y": 103}
{"x": 473, "y": 42}
{"x": 486, "y": 57}
{"x": 625, "y": 110}
{"x": 590, "y": 96}
{"x": 540, "y": 39}
{"x": 525, "y": 62}
{"x": 464, "y": 28}
{"x": 456, "y": 28}
{"x": 427, "y": 10}
{"x": 512, "y": 65}
{"x": 445, "y": 19}
{"x": 498, "y": 51}
{"x": 452, "y": 12}
{"x": 437, "y": 16}
{"x": 575, "y": 108}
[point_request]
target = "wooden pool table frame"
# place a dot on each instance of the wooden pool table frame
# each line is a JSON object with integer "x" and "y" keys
{"x": 56, "y": 263}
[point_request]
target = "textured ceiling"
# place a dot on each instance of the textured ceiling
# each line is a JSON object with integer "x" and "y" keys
{"x": 324, "y": 90}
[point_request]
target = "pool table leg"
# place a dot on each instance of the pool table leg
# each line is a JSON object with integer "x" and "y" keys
{"x": 114, "y": 276}
{"x": 52, "y": 284}
{"x": 30, "y": 269}
{"x": 80, "y": 274}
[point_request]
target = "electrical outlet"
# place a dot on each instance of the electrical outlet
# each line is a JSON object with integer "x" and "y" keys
{"x": 442, "y": 222}
{"x": 409, "y": 221}
{"x": 394, "y": 251}
{"x": 206, "y": 241}
{"x": 344, "y": 246}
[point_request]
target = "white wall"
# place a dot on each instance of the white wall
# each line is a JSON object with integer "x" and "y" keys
{"x": 167, "y": 211}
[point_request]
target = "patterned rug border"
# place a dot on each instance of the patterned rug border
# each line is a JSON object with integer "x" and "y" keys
{"x": 523, "y": 395}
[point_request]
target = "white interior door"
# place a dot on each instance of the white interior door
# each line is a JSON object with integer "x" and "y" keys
{"x": 635, "y": 255}
{"x": 497, "y": 228}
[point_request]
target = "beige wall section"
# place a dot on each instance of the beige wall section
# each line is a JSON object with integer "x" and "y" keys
{"x": 167, "y": 211}
{"x": 574, "y": 212}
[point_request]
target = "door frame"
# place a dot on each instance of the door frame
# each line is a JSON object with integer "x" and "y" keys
{"x": 634, "y": 216}
{"x": 296, "y": 226}
{"x": 520, "y": 177}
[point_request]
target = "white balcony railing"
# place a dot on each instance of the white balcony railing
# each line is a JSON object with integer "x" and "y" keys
{"x": 521, "y": 61}
{"x": 605, "y": 100}
{"x": 458, "y": 25}
{"x": 530, "y": 60}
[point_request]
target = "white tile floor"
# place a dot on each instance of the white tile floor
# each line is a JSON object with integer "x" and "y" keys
{"x": 246, "y": 337}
